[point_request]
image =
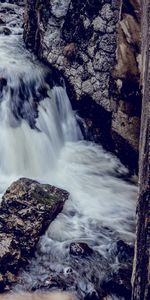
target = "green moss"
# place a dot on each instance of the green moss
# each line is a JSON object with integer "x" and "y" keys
{"x": 45, "y": 198}
{"x": 45, "y": 195}
{"x": 48, "y": 200}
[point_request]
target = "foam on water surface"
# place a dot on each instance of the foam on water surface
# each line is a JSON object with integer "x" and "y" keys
{"x": 40, "y": 139}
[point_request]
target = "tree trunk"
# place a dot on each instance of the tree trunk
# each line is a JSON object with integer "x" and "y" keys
{"x": 141, "y": 267}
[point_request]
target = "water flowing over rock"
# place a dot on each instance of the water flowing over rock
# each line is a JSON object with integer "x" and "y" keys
{"x": 73, "y": 33}
{"x": 26, "y": 210}
{"x": 96, "y": 45}
{"x": 42, "y": 140}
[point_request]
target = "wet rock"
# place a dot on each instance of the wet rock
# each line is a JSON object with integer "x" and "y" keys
{"x": 80, "y": 39}
{"x": 88, "y": 272}
{"x": 2, "y": 21}
{"x": 122, "y": 251}
{"x": 73, "y": 29}
{"x": 27, "y": 209}
{"x": 125, "y": 252}
{"x": 51, "y": 282}
{"x": 119, "y": 280}
{"x": 9, "y": 252}
{"x": 92, "y": 296}
{"x": 2, "y": 284}
{"x": 3, "y": 83}
{"x": 119, "y": 283}
{"x": 5, "y": 30}
{"x": 80, "y": 273}
{"x": 80, "y": 249}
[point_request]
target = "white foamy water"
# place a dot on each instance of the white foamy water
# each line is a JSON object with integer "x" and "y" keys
{"x": 53, "y": 151}
{"x": 40, "y": 139}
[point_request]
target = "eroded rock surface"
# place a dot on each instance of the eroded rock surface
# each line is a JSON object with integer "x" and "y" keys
{"x": 79, "y": 38}
{"x": 27, "y": 209}
{"x": 96, "y": 46}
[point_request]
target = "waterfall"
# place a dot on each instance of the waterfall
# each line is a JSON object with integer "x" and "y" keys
{"x": 35, "y": 120}
{"x": 40, "y": 139}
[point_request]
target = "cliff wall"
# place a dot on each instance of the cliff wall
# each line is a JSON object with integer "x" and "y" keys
{"x": 96, "y": 46}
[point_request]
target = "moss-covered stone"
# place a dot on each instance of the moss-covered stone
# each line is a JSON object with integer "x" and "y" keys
{"x": 27, "y": 209}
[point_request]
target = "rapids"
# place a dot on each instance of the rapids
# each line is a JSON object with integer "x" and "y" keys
{"x": 41, "y": 139}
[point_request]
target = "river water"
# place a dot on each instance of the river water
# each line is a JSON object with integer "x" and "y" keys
{"x": 41, "y": 139}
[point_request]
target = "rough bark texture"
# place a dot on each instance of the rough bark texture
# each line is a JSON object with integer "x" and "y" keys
{"x": 141, "y": 270}
{"x": 81, "y": 39}
{"x": 27, "y": 209}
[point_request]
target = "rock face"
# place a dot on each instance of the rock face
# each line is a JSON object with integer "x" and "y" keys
{"x": 141, "y": 269}
{"x": 125, "y": 84}
{"x": 26, "y": 210}
{"x": 79, "y": 38}
{"x": 96, "y": 46}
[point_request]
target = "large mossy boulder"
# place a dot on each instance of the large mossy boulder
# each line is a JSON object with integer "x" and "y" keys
{"x": 26, "y": 210}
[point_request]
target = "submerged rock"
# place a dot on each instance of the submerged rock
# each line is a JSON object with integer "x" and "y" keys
{"x": 27, "y": 209}
{"x": 84, "y": 271}
{"x": 3, "y": 83}
{"x": 119, "y": 283}
{"x": 5, "y": 30}
{"x": 122, "y": 251}
{"x": 2, "y": 21}
{"x": 92, "y": 296}
{"x": 80, "y": 249}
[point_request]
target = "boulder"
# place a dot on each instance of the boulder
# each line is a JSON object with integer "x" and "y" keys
{"x": 2, "y": 21}
{"x": 122, "y": 251}
{"x": 5, "y": 31}
{"x": 80, "y": 249}
{"x": 119, "y": 283}
{"x": 26, "y": 210}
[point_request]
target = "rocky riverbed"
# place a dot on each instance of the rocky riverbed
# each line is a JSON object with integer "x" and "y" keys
{"x": 96, "y": 46}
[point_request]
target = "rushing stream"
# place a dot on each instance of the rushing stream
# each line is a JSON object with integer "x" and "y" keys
{"x": 41, "y": 139}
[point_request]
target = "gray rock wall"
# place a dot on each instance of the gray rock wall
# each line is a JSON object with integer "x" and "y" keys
{"x": 79, "y": 38}
{"x": 96, "y": 46}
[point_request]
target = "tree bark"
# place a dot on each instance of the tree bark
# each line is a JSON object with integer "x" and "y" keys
{"x": 141, "y": 267}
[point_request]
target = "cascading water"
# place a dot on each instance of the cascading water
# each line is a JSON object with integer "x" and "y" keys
{"x": 35, "y": 121}
{"x": 40, "y": 139}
